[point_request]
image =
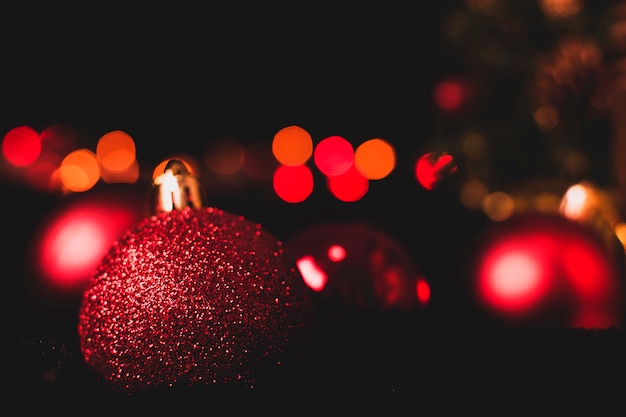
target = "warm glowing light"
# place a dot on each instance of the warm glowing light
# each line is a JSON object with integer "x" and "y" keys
{"x": 474, "y": 146}
{"x": 558, "y": 9}
{"x": 116, "y": 151}
{"x": 292, "y": 145}
{"x": 130, "y": 175}
{"x": 348, "y": 187}
{"x": 336, "y": 253}
{"x": 80, "y": 170}
{"x": 620, "y": 232}
{"x": 293, "y": 184}
{"x": 423, "y": 291}
{"x": 498, "y": 206}
{"x": 575, "y": 202}
{"x": 449, "y": 95}
{"x": 514, "y": 274}
{"x": 76, "y": 235}
{"x": 188, "y": 161}
{"x": 433, "y": 167}
{"x": 375, "y": 158}
{"x": 170, "y": 193}
{"x": 313, "y": 276}
{"x": 547, "y": 117}
{"x": 472, "y": 194}
{"x": 334, "y": 155}
{"x": 224, "y": 155}
{"x": 57, "y": 141}
{"x": 544, "y": 268}
{"x": 21, "y": 146}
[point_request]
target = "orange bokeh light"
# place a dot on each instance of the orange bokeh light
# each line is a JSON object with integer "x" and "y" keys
{"x": 292, "y": 145}
{"x": 375, "y": 158}
{"x": 116, "y": 151}
{"x": 80, "y": 170}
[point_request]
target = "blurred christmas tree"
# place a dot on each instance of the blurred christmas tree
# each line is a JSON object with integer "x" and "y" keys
{"x": 542, "y": 99}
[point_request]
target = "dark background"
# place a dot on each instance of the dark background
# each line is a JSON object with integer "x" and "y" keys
{"x": 174, "y": 74}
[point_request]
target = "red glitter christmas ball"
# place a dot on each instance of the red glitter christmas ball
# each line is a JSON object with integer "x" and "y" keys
{"x": 192, "y": 296}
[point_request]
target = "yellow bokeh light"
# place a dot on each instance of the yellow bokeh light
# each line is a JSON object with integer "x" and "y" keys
{"x": 375, "y": 158}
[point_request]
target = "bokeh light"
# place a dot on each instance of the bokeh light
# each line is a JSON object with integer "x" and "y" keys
{"x": 292, "y": 145}
{"x": 498, "y": 206}
{"x": 21, "y": 146}
{"x": 375, "y": 158}
{"x": 293, "y": 184}
{"x": 433, "y": 167}
{"x": 80, "y": 170}
{"x": 116, "y": 151}
{"x": 348, "y": 187}
{"x": 546, "y": 270}
{"x": 333, "y": 155}
{"x": 449, "y": 95}
{"x": 72, "y": 239}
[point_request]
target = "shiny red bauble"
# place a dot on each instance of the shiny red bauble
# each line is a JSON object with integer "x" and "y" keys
{"x": 192, "y": 296}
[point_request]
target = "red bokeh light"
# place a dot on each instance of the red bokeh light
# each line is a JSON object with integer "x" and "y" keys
{"x": 333, "y": 155}
{"x": 348, "y": 187}
{"x": 314, "y": 276}
{"x": 450, "y": 95}
{"x": 72, "y": 240}
{"x": 433, "y": 167}
{"x": 547, "y": 270}
{"x": 423, "y": 291}
{"x": 21, "y": 146}
{"x": 336, "y": 253}
{"x": 293, "y": 184}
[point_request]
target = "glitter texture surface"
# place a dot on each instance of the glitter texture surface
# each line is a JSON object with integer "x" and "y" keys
{"x": 193, "y": 296}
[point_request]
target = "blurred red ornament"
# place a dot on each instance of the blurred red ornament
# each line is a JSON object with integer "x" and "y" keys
{"x": 359, "y": 266}
{"x": 434, "y": 167}
{"x": 540, "y": 269}
{"x": 191, "y": 296}
{"x": 71, "y": 241}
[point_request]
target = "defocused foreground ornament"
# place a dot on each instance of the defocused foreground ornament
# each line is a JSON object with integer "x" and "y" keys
{"x": 359, "y": 266}
{"x": 546, "y": 270}
{"x": 193, "y": 295}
